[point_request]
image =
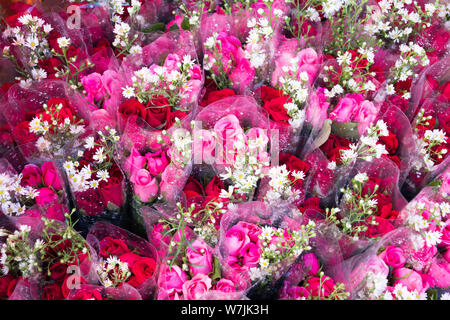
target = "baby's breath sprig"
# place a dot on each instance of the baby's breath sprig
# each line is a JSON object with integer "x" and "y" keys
{"x": 280, "y": 245}
{"x": 62, "y": 244}
{"x": 368, "y": 147}
{"x": 20, "y": 255}
{"x": 214, "y": 63}
{"x": 358, "y": 208}
{"x": 113, "y": 271}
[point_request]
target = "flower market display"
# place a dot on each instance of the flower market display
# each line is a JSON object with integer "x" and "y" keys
{"x": 225, "y": 150}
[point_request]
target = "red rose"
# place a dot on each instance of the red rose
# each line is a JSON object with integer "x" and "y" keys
{"x": 53, "y": 102}
{"x": 132, "y": 107}
{"x": 22, "y": 133}
{"x": 112, "y": 247}
{"x": 171, "y": 119}
{"x": 87, "y": 293}
{"x": 268, "y": 93}
{"x": 89, "y": 201}
{"x": 69, "y": 284}
{"x": 276, "y": 110}
{"x": 444, "y": 122}
{"x": 390, "y": 142}
{"x": 52, "y": 292}
{"x": 58, "y": 271}
{"x": 5, "y": 87}
{"x": 142, "y": 269}
{"x": 215, "y": 95}
{"x": 331, "y": 148}
{"x": 193, "y": 188}
{"x": 111, "y": 191}
{"x": 398, "y": 101}
{"x": 383, "y": 226}
{"x": 7, "y": 286}
{"x": 214, "y": 187}
{"x": 445, "y": 92}
{"x": 386, "y": 212}
{"x": 51, "y": 66}
{"x": 158, "y": 111}
{"x": 293, "y": 163}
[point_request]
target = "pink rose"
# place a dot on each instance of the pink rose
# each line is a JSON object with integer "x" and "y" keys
{"x": 225, "y": 285}
{"x": 204, "y": 146}
{"x": 190, "y": 92}
{"x": 242, "y": 76}
{"x": 393, "y": 257}
{"x": 446, "y": 233}
{"x": 311, "y": 263}
{"x": 133, "y": 163}
{"x": 156, "y": 162}
{"x": 199, "y": 257}
{"x": 323, "y": 287}
{"x": 235, "y": 239}
{"x": 259, "y": 134}
{"x": 228, "y": 127}
{"x": 50, "y": 176}
{"x": 445, "y": 186}
{"x": 295, "y": 293}
{"x": 175, "y": 278}
{"x": 177, "y": 21}
{"x": 308, "y": 61}
{"x": 409, "y": 278}
{"x": 423, "y": 256}
{"x": 57, "y": 211}
{"x": 317, "y": 111}
{"x": 157, "y": 237}
{"x": 145, "y": 187}
{"x": 251, "y": 253}
{"x": 344, "y": 110}
{"x": 196, "y": 287}
{"x": 171, "y": 62}
{"x": 252, "y": 230}
{"x": 440, "y": 274}
{"x": 101, "y": 118}
{"x": 93, "y": 85}
{"x": 286, "y": 53}
{"x": 365, "y": 115}
{"x": 46, "y": 196}
{"x": 31, "y": 176}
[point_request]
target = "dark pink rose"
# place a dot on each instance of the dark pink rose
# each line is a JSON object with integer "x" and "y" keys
{"x": 199, "y": 257}
{"x": 31, "y": 176}
{"x": 311, "y": 263}
{"x": 225, "y": 285}
{"x": 393, "y": 257}
{"x": 196, "y": 287}
{"x": 50, "y": 175}
{"x": 46, "y": 196}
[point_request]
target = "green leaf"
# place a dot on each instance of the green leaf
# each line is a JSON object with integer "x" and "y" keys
{"x": 185, "y": 25}
{"x": 216, "y": 273}
{"x": 160, "y": 26}
{"x": 348, "y": 130}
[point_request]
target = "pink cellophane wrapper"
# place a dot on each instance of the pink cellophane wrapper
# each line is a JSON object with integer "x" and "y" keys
{"x": 137, "y": 244}
{"x": 23, "y": 101}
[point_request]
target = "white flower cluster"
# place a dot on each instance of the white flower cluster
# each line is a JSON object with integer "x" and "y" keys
{"x": 122, "y": 29}
{"x": 374, "y": 286}
{"x": 81, "y": 179}
{"x": 53, "y": 135}
{"x": 427, "y": 219}
{"x": 295, "y": 85}
{"x": 13, "y": 196}
{"x": 331, "y": 7}
{"x": 396, "y": 20}
{"x": 411, "y": 56}
{"x": 112, "y": 271}
{"x": 31, "y": 35}
{"x": 401, "y": 292}
{"x": 261, "y": 31}
{"x": 368, "y": 147}
{"x": 281, "y": 185}
{"x": 354, "y": 73}
{"x": 427, "y": 144}
{"x": 244, "y": 169}
{"x": 279, "y": 244}
{"x": 172, "y": 83}
{"x": 19, "y": 254}
{"x": 180, "y": 152}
